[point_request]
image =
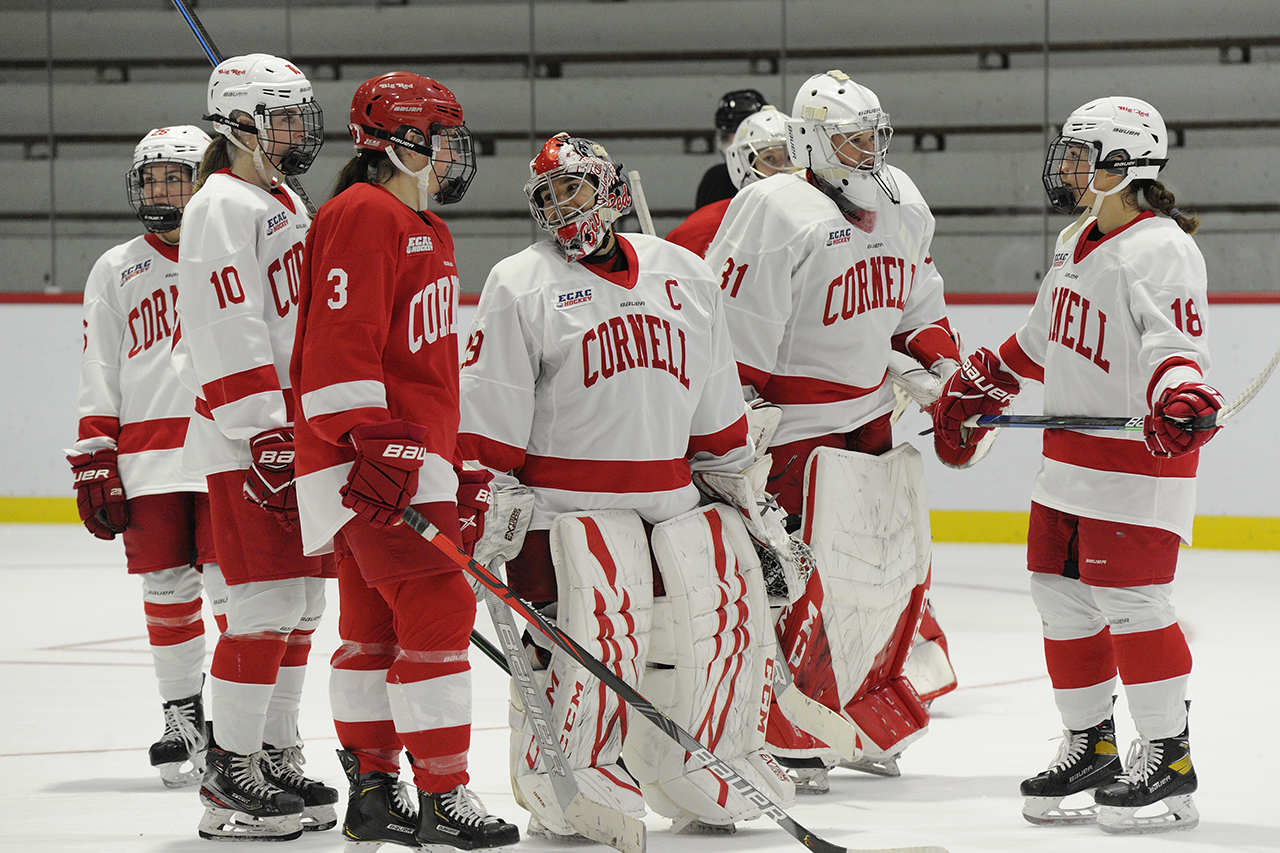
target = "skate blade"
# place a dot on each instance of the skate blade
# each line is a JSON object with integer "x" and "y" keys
{"x": 319, "y": 818}
{"x": 231, "y": 825}
{"x": 1180, "y": 814}
{"x": 1049, "y": 811}
{"x": 537, "y": 829}
{"x": 689, "y": 824}
{"x": 595, "y": 822}
{"x": 887, "y": 767}
{"x": 174, "y": 776}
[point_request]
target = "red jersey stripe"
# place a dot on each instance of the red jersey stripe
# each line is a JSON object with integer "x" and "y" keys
{"x": 1114, "y": 454}
{"x": 1019, "y": 362}
{"x": 1165, "y": 367}
{"x": 802, "y": 390}
{"x": 237, "y": 386}
{"x": 157, "y": 434}
{"x": 99, "y": 425}
{"x": 722, "y": 442}
{"x": 490, "y": 453}
{"x": 610, "y": 476}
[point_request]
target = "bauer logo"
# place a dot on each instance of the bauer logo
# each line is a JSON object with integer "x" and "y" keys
{"x": 134, "y": 271}
{"x": 419, "y": 243}
{"x": 573, "y": 297}
{"x": 840, "y": 235}
{"x": 275, "y": 223}
{"x": 1060, "y": 258}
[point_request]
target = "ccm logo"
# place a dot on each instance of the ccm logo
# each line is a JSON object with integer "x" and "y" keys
{"x": 276, "y": 457}
{"x": 99, "y": 474}
{"x": 400, "y": 451}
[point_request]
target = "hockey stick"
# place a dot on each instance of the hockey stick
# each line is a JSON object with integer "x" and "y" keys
{"x": 642, "y": 206}
{"x": 489, "y": 650}
{"x": 216, "y": 57}
{"x": 591, "y": 819}
{"x": 812, "y": 716}
{"x": 629, "y": 694}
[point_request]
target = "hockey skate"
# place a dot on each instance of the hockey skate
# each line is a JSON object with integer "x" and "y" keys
{"x": 380, "y": 808}
{"x": 1085, "y": 760}
{"x": 458, "y": 819}
{"x": 809, "y": 775}
{"x": 689, "y": 823}
{"x": 179, "y": 754}
{"x": 283, "y": 768}
{"x": 241, "y": 805}
{"x": 886, "y": 766}
{"x": 1156, "y": 773}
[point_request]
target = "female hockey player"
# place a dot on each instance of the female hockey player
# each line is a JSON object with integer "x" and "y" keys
{"x": 829, "y": 284}
{"x": 128, "y": 459}
{"x": 238, "y": 278}
{"x": 599, "y": 373}
{"x": 375, "y": 371}
{"x": 758, "y": 149}
{"x": 1119, "y": 326}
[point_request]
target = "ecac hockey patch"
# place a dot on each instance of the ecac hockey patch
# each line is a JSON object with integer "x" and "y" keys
{"x": 1060, "y": 258}
{"x": 134, "y": 271}
{"x": 573, "y": 297}
{"x": 420, "y": 243}
{"x": 838, "y": 236}
{"x": 275, "y": 223}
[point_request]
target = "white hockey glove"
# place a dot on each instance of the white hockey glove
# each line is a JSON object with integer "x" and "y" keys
{"x": 924, "y": 385}
{"x": 762, "y": 422}
{"x": 789, "y": 562}
{"x": 505, "y": 525}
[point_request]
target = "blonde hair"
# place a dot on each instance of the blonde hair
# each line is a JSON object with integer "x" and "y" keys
{"x": 216, "y": 158}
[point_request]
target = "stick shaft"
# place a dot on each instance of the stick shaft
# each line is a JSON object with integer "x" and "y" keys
{"x": 202, "y": 36}
{"x": 642, "y": 206}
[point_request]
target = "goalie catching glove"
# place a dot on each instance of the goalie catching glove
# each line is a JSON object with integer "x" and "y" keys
{"x": 788, "y": 562}
{"x": 1166, "y": 437}
{"x": 100, "y": 496}
{"x": 269, "y": 481}
{"x": 384, "y": 477}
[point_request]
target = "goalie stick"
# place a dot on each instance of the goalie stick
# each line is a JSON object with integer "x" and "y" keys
{"x": 812, "y": 716}
{"x": 630, "y": 695}
{"x": 591, "y": 819}
{"x": 216, "y": 57}
{"x": 642, "y": 206}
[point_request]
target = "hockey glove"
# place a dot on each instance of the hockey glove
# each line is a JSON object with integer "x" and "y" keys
{"x": 980, "y": 387}
{"x": 269, "y": 482}
{"x": 384, "y": 477}
{"x": 99, "y": 493}
{"x": 1167, "y": 437}
{"x": 475, "y": 497}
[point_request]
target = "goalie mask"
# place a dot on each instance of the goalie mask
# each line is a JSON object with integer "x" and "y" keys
{"x": 165, "y": 165}
{"x": 1123, "y": 136}
{"x": 277, "y": 98}
{"x": 422, "y": 115}
{"x": 576, "y": 192}
{"x": 840, "y": 134}
{"x": 759, "y": 148}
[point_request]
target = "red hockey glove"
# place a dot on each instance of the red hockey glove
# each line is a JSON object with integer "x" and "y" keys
{"x": 475, "y": 497}
{"x": 99, "y": 493}
{"x": 1188, "y": 400}
{"x": 384, "y": 478}
{"x": 269, "y": 482}
{"x": 979, "y": 387}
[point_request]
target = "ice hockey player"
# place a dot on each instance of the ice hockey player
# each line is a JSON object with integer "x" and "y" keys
{"x": 758, "y": 149}
{"x": 599, "y": 373}
{"x": 732, "y": 108}
{"x": 127, "y": 460}
{"x": 375, "y": 371}
{"x": 1119, "y": 326}
{"x": 829, "y": 285}
{"x": 238, "y": 277}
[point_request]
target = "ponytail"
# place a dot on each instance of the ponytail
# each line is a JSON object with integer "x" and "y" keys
{"x": 216, "y": 158}
{"x": 1156, "y": 196}
{"x": 367, "y": 167}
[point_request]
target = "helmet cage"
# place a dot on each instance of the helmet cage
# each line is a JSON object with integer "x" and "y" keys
{"x": 160, "y": 218}
{"x": 758, "y": 133}
{"x": 276, "y": 129}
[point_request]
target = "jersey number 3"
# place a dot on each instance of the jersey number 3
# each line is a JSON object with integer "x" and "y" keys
{"x": 338, "y": 276}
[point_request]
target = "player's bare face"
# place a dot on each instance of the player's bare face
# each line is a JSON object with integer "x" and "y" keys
{"x": 166, "y": 184}
{"x": 563, "y": 197}
{"x": 1076, "y": 167}
{"x": 855, "y": 150}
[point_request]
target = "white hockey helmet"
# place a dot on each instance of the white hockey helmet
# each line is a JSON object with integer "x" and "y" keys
{"x": 1123, "y": 136}
{"x": 839, "y": 132}
{"x": 580, "y": 223}
{"x": 759, "y": 147}
{"x": 267, "y": 87}
{"x": 182, "y": 145}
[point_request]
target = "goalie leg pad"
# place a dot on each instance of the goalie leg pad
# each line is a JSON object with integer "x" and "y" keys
{"x": 605, "y": 585}
{"x": 718, "y": 682}
{"x": 928, "y": 665}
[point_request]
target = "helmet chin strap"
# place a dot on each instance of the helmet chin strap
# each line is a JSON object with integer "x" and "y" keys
{"x": 1091, "y": 215}
{"x": 272, "y": 178}
{"x": 423, "y": 175}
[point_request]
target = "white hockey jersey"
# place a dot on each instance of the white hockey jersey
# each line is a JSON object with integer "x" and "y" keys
{"x": 813, "y": 301}
{"x": 130, "y": 398}
{"x": 238, "y": 274}
{"x": 603, "y": 394}
{"x": 1116, "y": 322}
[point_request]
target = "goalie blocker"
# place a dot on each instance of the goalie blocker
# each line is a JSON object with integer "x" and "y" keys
{"x": 846, "y": 640}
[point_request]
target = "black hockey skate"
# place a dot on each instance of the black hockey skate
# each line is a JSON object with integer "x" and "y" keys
{"x": 241, "y": 805}
{"x": 458, "y": 819}
{"x": 283, "y": 768}
{"x": 1085, "y": 760}
{"x": 179, "y": 754}
{"x": 380, "y": 808}
{"x": 1156, "y": 773}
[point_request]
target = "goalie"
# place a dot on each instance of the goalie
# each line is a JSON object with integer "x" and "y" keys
{"x": 599, "y": 374}
{"x": 829, "y": 285}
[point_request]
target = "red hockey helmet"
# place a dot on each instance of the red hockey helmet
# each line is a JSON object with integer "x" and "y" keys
{"x": 385, "y": 109}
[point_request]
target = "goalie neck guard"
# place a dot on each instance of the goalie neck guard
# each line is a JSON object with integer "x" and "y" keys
{"x": 158, "y": 193}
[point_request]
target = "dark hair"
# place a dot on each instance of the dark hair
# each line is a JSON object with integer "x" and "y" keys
{"x": 216, "y": 158}
{"x": 1159, "y": 198}
{"x": 367, "y": 167}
